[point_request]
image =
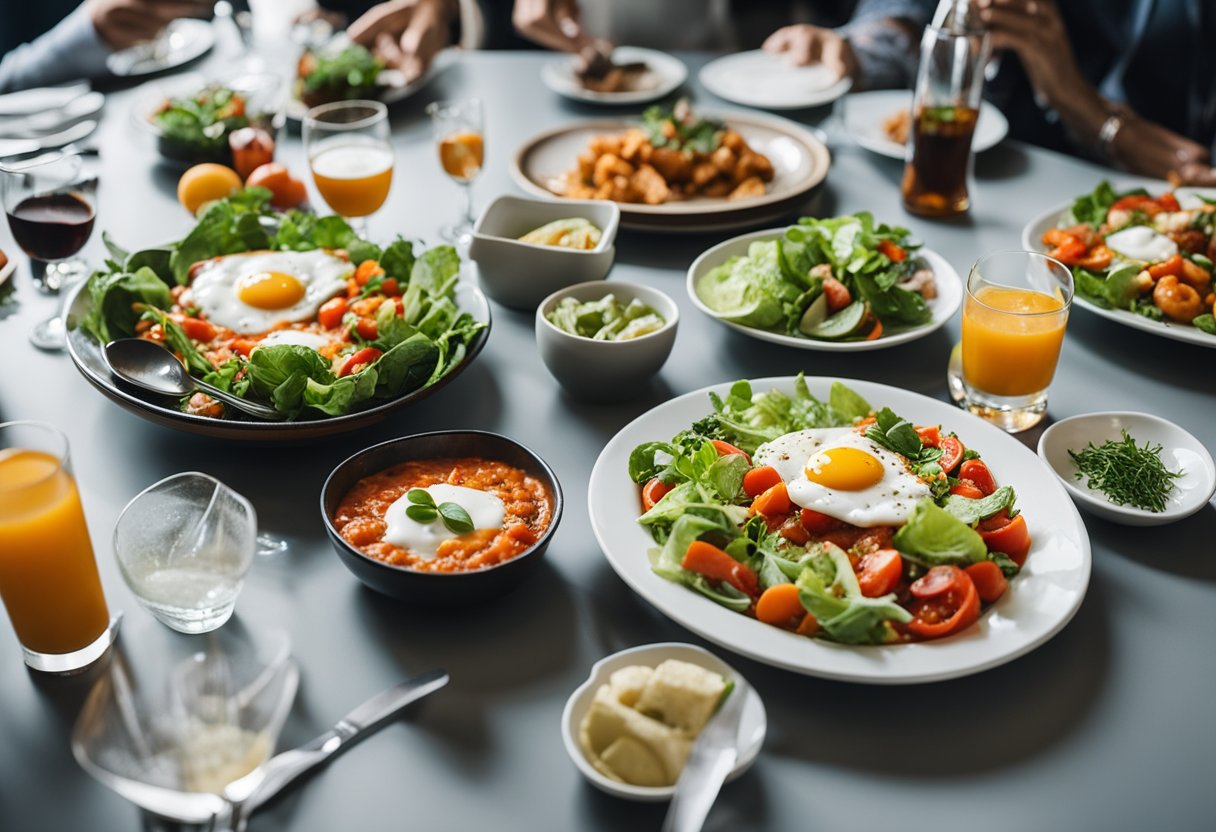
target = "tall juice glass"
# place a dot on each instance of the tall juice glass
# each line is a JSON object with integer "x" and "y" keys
{"x": 459, "y": 128}
{"x": 350, "y": 157}
{"x": 1014, "y": 316}
{"x": 48, "y": 576}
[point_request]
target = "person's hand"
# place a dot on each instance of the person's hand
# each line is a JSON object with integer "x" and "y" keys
{"x": 803, "y": 44}
{"x": 1034, "y": 31}
{"x": 124, "y": 23}
{"x": 553, "y": 24}
{"x": 1144, "y": 147}
{"x": 407, "y": 34}
{"x": 1196, "y": 173}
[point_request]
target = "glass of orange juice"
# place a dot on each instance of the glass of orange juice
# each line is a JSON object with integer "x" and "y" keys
{"x": 460, "y": 137}
{"x": 350, "y": 157}
{"x": 48, "y": 576}
{"x": 1014, "y": 316}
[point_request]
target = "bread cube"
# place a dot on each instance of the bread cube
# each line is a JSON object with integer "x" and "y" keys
{"x": 682, "y": 695}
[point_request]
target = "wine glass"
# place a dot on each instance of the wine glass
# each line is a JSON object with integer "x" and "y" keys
{"x": 50, "y": 213}
{"x": 460, "y": 136}
{"x": 350, "y": 157}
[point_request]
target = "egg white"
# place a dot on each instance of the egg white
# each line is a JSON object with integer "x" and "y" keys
{"x": 215, "y": 289}
{"x": 889, "y": 502}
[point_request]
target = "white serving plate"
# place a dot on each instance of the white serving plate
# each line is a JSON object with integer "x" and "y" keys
{"x": 758, "y": 79}
{"x": 666, "y": 74}
{"x": 1040, "y": 600}
{"x": 949, "y": 297}
{"x": 865, "y": 112}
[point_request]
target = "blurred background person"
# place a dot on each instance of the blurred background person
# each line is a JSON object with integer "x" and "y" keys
{"x": 407, "y": 34}
{"x": 50, "y": 42}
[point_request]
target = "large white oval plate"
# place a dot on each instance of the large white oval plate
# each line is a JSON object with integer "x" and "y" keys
{"x": 865, "y": 112}
{"x": 943, "y": 307}
{"x": 1040, "y": 601}
{"x": 1033, "y": 233}
{"x": 758, "y": 79}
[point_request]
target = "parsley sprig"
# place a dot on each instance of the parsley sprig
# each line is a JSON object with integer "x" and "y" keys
{"x": 1126, "y": 473}
{"x": 424, "y": 510}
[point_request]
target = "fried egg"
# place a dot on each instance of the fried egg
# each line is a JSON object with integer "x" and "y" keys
{"x": 840, "y": 473}
{"x": 252, "y": 293}
{"x": 486, "y": 511}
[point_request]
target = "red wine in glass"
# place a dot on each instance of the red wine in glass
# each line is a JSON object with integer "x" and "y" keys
{"x": 51, "y": 227}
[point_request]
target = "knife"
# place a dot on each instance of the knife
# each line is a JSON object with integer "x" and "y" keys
{"x": 713, "y": 756}
{"x": 21, "y": 147}
{"x": 362, "y": 722}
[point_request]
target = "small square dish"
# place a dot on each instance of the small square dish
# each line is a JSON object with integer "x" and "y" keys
{"x": 519, "y": 274}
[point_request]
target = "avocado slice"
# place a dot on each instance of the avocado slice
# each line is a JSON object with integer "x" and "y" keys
{"x": 842, "y": 324}
{"x": 814, "y": 315}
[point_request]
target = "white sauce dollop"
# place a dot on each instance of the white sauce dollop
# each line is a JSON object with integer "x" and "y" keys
{"x": 1142, "y": 243}
{"x": 423, "y": 539}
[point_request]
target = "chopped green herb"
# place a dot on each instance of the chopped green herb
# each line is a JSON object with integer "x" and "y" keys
{"x": 1126, "y": 473}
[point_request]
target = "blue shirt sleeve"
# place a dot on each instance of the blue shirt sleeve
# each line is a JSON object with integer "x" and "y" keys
{"x": 886, "y": 55}
{"x": 69, "y": 52}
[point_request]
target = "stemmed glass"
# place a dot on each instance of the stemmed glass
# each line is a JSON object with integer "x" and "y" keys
{"x": 50, "y": 212}
{"x": 460, "y": 136}
{"x": 350, "y": 157}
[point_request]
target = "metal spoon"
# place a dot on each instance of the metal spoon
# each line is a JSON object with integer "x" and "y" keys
{"x": 154, "y": 368}
{"x": 85, "y": 106}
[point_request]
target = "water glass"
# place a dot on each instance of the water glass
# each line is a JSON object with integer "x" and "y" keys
{"x": 1014, "y": 315}
{"x": 183, "y": 547}
{"x": 48, "y": 576}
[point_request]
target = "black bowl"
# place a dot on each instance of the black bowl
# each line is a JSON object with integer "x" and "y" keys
{"x": 438, "y": 588}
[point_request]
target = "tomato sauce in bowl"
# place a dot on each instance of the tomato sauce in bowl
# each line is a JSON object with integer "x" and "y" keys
{"x": 528, "y": 512}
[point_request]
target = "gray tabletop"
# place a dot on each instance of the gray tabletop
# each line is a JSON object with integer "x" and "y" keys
{"x": 1108, "y": 726}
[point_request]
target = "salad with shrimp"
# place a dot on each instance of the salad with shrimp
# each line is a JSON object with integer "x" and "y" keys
{"x": 832, "y": 520}
{"x": 1144, "y": 254}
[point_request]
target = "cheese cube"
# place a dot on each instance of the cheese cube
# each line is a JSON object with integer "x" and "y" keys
{"x": 682, "y": 695}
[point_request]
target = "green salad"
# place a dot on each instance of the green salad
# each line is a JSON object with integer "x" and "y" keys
{"x": 839, "y": 279}
{"x": 338, "y": 321}
{"x": 828, "y": 518}
{"x": 606, "y": 319}
{"x": 333, "y": 75}
{"x": 196, "y": 127}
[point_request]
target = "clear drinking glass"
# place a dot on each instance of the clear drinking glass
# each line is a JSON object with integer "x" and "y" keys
{"x": 183, "y": 546}
{"x": 350, "y": 157}
{"x": 460, "y": 136}
{"x": 50, "y": 213}
{"x": 48, "y": 576}
{"x": 1014, "y": 315}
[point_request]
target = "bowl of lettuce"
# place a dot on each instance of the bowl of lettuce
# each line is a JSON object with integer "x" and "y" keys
{"x": 445, "y": 324}
{"x": 772, "y": 285}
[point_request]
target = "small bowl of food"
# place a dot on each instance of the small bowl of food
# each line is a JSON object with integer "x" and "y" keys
{"x": 1130, "y": 468}
{"x": 630, "y": 727}
{"x": 526, "y": 249}
{"x": 443, "y": 518}
{"x": 601, "y": 340}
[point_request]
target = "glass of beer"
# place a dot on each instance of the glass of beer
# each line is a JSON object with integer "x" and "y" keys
{"x": 945, "y": 108}
{"x": 350, "y": 157}
{"x": 460, "y": 137}
{"x": 1014, "y": 316}
{"x": 48, "y": 576}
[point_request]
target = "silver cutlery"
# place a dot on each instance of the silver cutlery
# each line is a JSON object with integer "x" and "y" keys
{"x": 21, "y": 147}
{"x": 37, "y": 99}
{"x": 30, "y": 126}
{"x": 713, "y": 756}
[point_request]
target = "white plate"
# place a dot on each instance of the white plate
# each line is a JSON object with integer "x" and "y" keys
{"x": 758, "y": 79}
{"x": 393, "y": 87}
{"x": 1040, "y": 600}
{"x": 665, "y": 75}
{"x": 865, "y": 112}
{"x": 1179, "y": 451}
{"x": 753, "y": 723}
{"x": 1033, "y": 233}
{"x": 800, "y": 163}
{"x": 182, "y": 41}
{"x": 943, "y": 307}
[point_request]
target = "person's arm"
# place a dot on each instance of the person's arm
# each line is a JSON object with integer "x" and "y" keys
{"x": 1034, "y": 30}
{"x": 408, "y": 34}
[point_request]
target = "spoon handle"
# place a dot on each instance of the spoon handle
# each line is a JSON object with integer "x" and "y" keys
{"x": 253, "y": 408}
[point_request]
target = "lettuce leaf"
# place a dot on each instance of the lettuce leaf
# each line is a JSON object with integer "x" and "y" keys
{"x": 115, "y": 297}
{"x": 933, "y": 536}
{"x": 829, "y": 590}
{"x": 971, "y": 511}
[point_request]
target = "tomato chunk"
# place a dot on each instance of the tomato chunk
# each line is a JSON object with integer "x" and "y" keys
{"x": 726, "y": 449}
{"x": 879, "y": 572}
{"x": 945, "y": 602}
{"x": 780, "y": 606}
{"x": 989, "y": 580}
{"x": 774, "y": 502}
{"x": 331, "y": 312}
{"x": 654, "y": 491}
{"x": 1002, "y": 534}
{"x": 758, "y": 480}
{"x": 711, "y": 562}
{"x": 976, "y": 472}
{"x": 359, "y": 360}
{"x": 952, "y": 453}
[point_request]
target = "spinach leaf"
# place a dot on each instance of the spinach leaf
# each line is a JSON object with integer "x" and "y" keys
{"x": 115, "y": 297}
{"x": 971, "y": 511}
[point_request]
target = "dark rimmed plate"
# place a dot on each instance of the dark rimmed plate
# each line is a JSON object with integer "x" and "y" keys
{"x": 87, "y": 355}
{"x": 437, "y": 588}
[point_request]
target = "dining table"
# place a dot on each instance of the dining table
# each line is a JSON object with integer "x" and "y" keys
{"x": 1109, "y": 725}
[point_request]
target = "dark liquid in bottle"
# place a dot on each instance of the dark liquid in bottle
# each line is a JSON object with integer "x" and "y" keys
{"x": 51, "y": 226}
{"x": 935, "y": 180}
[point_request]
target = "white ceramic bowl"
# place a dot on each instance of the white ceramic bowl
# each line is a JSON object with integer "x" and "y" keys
{"x": 753, "y": 723}
{"x": 606, "y": 370}
{"x": 520, "y": 275}
{"x": 1180, "y": 450}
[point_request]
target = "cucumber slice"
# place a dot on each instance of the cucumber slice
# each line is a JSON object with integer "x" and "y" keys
{"x": 814, "y": 315}
{"x": 841, "y": 325}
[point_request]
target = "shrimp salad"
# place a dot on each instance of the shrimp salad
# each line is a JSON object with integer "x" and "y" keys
{"x": 828, "y": 519}
{"x": 1148, "y": 255}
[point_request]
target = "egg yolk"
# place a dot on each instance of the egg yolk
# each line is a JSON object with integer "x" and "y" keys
{"x": 270, "y": 290}
{"x": 844, "y": 469}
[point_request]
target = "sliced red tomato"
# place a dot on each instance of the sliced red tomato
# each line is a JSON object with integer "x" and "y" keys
{"x": 952, "y": 453}
{"x": 654, "y": 491}
{"x": 331, "y": 312}
{"x": 893, "y": 251}
{"x": 1010, "y": 536}
{"x": 1169, "y": 202}
{"x": 196, "y": 329}
{"x": 243, "y": 346}
{"x": 989, "y": 580}
{"x": 389, "y": 286}
{"x": 930, "y": 435}
{"x": 817, "y": 522}
{"x": 945, "y": 601}
{"x": 758, "y": 480}
{"x": 711, "y": 562}
{"x": 976, "y": 472}
{"x": 968, "y": 489}
{"x": 726, "y": 449}
{"x": 367, "y": 329}
{"x": 879, "y": 572}
{"x": 774, "y": 502}
{"x": 359, "y": 360}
